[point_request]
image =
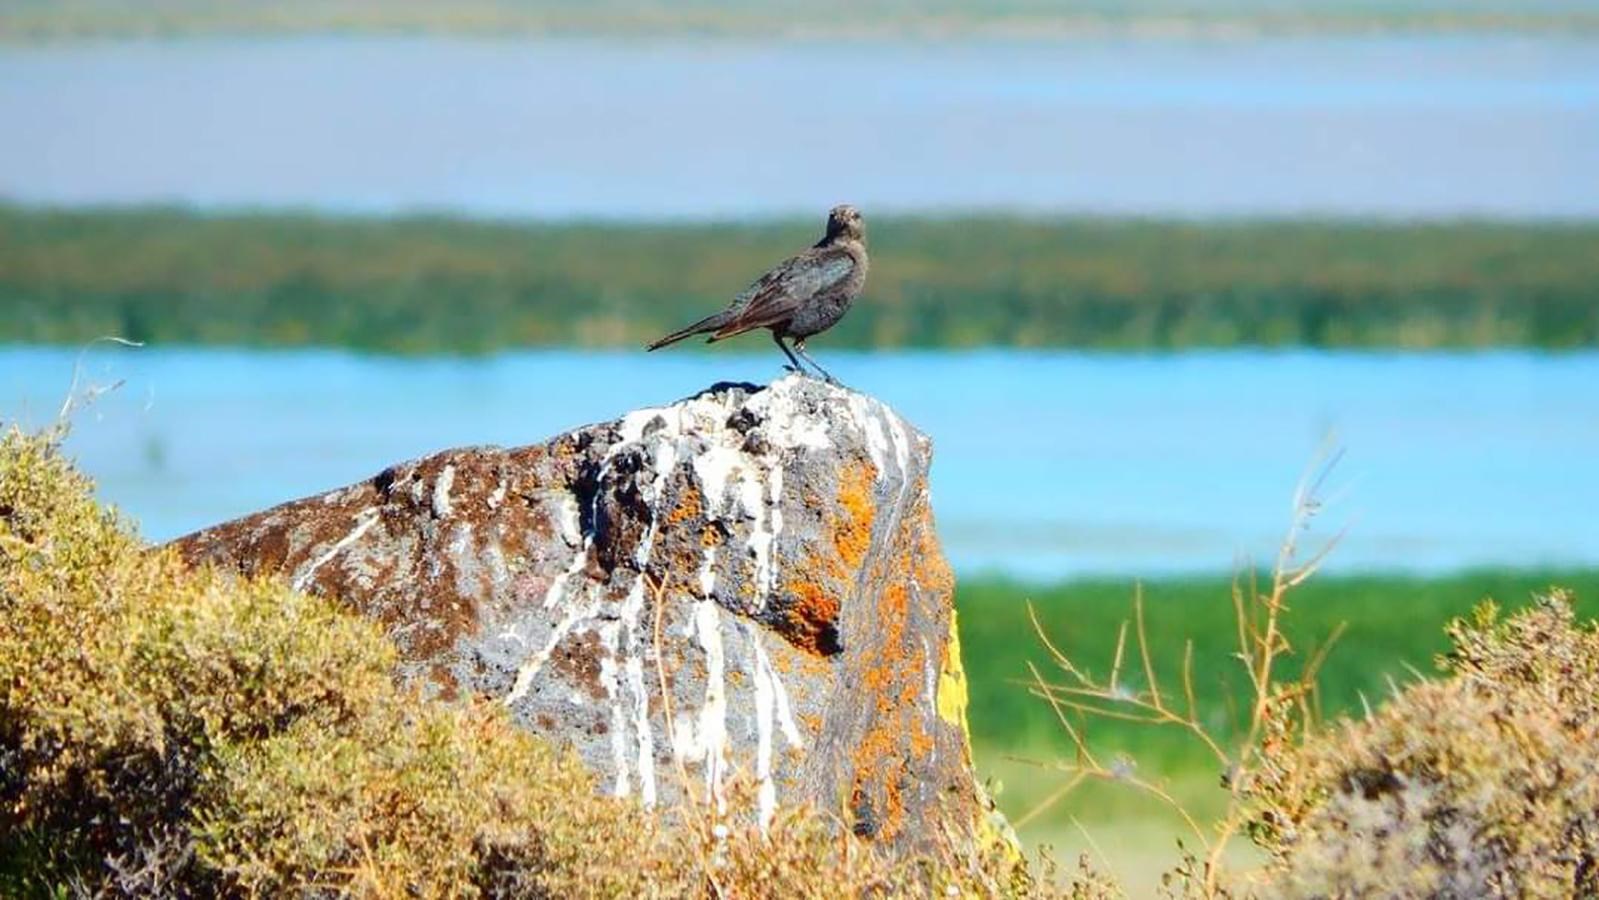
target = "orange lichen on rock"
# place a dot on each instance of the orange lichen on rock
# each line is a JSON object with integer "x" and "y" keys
{"x": 710, "y": 536}
{"x": 816, "y": 591}
{"x": 896, "y": 761}
{"x": 880, "y": 755}
{"x": 880, "y": 674}
{"x": 689, "y": 507}
{"x": 852, "y": 531}
{"x": 811, "y": 617}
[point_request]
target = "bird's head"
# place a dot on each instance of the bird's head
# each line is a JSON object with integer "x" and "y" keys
{"x": 844, "y": 223}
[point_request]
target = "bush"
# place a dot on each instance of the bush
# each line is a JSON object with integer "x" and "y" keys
{"x": 1482, "y": 784}
{"x": 184, "y": 733}
{"x": 1485, "y": 784}
{"x": 189, "y": 733}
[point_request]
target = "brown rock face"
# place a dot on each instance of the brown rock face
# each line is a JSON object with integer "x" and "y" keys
{"x": 744, "y": 581}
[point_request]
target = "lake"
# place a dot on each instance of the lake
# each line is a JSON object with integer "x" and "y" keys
{"x": 1396, "y": 126}
{"x": 1047, "y": 464}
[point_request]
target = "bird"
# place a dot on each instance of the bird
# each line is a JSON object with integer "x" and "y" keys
{"x": 802, "y": 296}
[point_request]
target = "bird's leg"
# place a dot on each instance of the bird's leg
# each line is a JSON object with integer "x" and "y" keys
{"x": 800, "y": 346}
{"x": 796, "y": 367}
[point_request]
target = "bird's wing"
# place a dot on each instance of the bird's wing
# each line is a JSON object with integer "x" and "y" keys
{"x": 778, "y": 293}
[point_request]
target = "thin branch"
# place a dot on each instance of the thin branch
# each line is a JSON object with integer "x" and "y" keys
{"x": 1043, "y": 635}
{"x": 1143, "y": 644}
{"x": 1053, "y": 798}
{"x": 1116, "y": 664}
{"x": 1188, "y": 680}
{"x": 1060, "y": 714}
{"x": 90, "y": 394}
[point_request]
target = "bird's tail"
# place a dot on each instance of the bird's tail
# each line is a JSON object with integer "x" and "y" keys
{"x": 709, "y": 323}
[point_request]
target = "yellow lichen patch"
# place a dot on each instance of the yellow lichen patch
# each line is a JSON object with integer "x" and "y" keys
{"x": 952, "y": 696}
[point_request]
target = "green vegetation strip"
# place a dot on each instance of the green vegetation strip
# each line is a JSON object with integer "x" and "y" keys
{"x": 442, "y": 285}
{"x": 58, "y": 19}
{"x": 1394, "y": 629}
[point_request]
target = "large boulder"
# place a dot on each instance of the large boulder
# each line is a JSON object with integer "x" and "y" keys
{"x": 746, "y": 581}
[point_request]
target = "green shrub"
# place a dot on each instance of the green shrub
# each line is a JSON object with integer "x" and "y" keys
{"x": 1485, "y": 784}
{"x": 177, "y": 733}
{"x": 186, "y": 732}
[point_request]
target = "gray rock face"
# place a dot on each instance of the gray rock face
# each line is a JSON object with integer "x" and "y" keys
{"x": 745, "y": 583}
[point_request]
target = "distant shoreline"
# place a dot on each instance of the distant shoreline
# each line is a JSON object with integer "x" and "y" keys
{"x": 68, "y": 22}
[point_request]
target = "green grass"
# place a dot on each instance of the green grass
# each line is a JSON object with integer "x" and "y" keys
{"x": 441, "y": 285}
{"x": 1394, "y": 629}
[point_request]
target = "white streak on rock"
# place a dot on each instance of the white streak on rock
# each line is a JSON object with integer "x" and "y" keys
{"x": 870, "y": 423}
{"x": 772, "y": 713}
{"x": 766, "y": 797}
{"x": 441, "y": 492}
{"x": 775, "y": 497}
{"x": 571, "y": 530}
{"x": 763, "y": 537}
{"x": 610, "y": 679}
{"x": 364, "y": 520}
{"x": 632, "y": 611}
{"x": 714, "y": 467}
{"x": 902, "y": 444}
{"x": 557, "y": 591}
{"x": 752, "y": 497}
{"x": 787, "y": 424}
{"x": 708, "y": 573}
{"x": 531, "y": 666}
{"x": 703, "y": 738}
{"x": 498, "y": 497}
{"x": 664, "y": 462}
{"x": 646, "y": 735}
{"x": 665, "y": 459}
{"x": 570, "y": 519}
{"x": 632, "y": 426}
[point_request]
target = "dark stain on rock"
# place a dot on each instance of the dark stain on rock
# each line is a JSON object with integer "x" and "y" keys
{"x": 578, "y": 658}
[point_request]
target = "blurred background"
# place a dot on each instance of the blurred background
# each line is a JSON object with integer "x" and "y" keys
{"x": 1134, "y": 264}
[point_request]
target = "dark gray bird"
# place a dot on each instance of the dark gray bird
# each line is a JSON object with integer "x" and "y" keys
{"x": 804, "y": 295}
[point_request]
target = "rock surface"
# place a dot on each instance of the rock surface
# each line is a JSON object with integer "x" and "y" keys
{"x": 747, "y": 581}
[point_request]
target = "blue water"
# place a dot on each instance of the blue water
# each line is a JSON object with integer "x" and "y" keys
{"x": 1497, "y": 125}
{"x": 1046, "y": 465}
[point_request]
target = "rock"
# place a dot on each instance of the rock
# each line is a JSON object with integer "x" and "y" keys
{"x": 745, "y": 581}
